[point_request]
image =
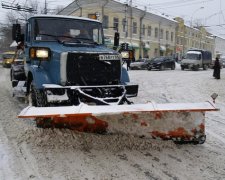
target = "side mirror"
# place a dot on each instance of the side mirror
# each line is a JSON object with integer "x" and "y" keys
{"x": 14, "y": 83}
{"x": 16, "y": 33}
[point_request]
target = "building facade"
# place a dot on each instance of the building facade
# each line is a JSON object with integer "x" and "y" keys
{"x": 149, "y": 34}
{"x": 192, "y": 37}
{"x": 219, "y": 46}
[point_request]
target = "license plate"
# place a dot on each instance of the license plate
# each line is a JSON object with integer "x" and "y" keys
{"x": 108, "y": 57}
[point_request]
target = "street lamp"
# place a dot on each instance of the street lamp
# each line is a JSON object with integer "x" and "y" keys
{"x": 194, "y": 13}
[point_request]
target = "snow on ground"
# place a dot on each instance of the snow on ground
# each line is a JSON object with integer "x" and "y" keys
{"x": 27, "y": 152}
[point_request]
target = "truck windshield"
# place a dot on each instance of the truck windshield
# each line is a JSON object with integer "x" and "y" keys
{"x": 68, "y": 30}
{"x": 193, "y": 56}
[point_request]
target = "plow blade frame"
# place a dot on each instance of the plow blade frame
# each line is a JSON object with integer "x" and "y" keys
{"x": 182, "y": 122}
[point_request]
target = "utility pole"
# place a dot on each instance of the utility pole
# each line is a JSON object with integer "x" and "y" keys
{"x": 159, "y": 34}
{"x": 126, "y": 23}
{"x": 141, "y": 45}
{"x": 131, "y": 22}
{"x": 45, "y": 8}
{"x": 103, "y": 9}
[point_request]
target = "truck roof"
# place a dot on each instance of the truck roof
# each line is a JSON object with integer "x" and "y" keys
{"x": 66, "y": 17}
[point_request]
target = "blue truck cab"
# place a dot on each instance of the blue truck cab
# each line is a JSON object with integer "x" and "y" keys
{"x": 66, "y": 63}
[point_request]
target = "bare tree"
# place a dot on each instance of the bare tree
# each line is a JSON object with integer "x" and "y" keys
{"x": 58, "y": 9}
{"x": 13, "y": 17}
{"x": 6, "y": 30}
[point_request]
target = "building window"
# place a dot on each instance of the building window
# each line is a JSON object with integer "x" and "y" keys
{"x": 143, "y": 30}
{"x": 156, "y": 32}
{"x": 161, "y": 33}
{"x": 149, "y": 30}
{"x": 167, "y": 35}
{"x": 116, "y": 23}
{"x": 105, "y": 22}
{"x": 134, "y": 27}
{"x": 124, "y": 24}
{"x": 172, "y": 36}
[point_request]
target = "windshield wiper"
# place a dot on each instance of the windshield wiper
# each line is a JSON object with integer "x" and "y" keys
{"x": 87, "y": 40}
{"x": 64, "y": 39}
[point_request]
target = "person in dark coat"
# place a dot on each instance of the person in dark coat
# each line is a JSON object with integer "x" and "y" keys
{"x": 128, "y": 64}
{"x": 216, "y": 67}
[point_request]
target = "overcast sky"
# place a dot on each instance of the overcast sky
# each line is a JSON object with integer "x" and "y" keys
{"x": 206, "y": 12}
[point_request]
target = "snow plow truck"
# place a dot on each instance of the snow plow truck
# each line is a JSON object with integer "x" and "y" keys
{"x": 74, "y": 81}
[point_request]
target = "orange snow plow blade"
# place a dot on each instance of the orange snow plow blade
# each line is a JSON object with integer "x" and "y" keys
{"x": 183, "y": 122}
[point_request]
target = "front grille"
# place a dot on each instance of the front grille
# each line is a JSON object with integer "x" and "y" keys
{"x": 86, "y": 69}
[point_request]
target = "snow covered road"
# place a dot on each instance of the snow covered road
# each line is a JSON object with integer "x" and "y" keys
{"x": 27, "y": 152}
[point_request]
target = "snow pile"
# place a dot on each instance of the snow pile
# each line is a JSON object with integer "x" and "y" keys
{"x": 29, "y": 152}
{"x": 65, "y": 138}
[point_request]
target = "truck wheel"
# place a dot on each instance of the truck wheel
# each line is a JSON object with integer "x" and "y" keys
{"x": 205, "y": 67}
{"x": 196, "y": 68}
{"x": 11, "y": 75}
{"x": 182, "y": 68}
{"x": 37, "y": 97}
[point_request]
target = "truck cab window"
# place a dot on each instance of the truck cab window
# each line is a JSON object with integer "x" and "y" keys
{"x": 50, "y": 29}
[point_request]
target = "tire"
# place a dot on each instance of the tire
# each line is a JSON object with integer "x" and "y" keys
{"x": 162, "y": 67}
{"x": 37, "y": 97}
{"x": 11, "y": 75}
{"x": 196, "y": 68}
{"x": 173, "y": 67}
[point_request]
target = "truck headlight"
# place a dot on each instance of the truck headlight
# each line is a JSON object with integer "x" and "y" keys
{"x": 40, "y": 53}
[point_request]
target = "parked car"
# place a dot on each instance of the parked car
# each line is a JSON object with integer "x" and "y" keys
{"x": 17, "y": 69}
{"x": 162, "y": 63}
{"x": 7, "y": 58}
{"x": 140, "y": 64}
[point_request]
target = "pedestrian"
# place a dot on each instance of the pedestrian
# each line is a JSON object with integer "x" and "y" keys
{"x": 216, "y": 67}
{"x": 128, "y": 64}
